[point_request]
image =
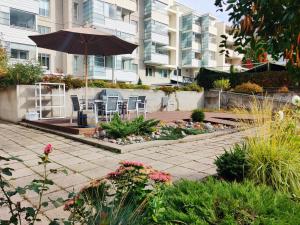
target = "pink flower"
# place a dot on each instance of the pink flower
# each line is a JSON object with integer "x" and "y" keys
{"x": 69, "y": 204}
{"x": 113, "y": 175}
{"x": 132, "y": 163}
{"x": 158, "y": 176}
{"x": 48, "y": 149}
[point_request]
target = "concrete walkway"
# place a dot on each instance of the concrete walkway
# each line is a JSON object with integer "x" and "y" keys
{"x": 193, "y": 160}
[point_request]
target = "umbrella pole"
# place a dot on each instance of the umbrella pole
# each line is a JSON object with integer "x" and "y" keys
{"x": 86, "y": 76}
{"x": 113, "y": 70}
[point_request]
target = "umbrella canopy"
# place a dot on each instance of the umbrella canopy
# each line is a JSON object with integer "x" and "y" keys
{"x": 80, "y": 40}
{"x": 84, "y": 41}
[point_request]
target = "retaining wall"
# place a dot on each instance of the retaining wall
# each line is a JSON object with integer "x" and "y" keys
{"x": 15, "y": 102}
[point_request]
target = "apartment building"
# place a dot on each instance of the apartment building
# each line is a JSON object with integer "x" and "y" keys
{"x": 174, "y": 40}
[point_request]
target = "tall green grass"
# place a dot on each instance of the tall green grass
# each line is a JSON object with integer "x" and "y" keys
{"x": 273, "y": 149}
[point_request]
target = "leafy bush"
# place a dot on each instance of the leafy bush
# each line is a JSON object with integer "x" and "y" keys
{"x": 119, "y": 198}
{"x": 248, "y": 88}
{"x": 198, "y": 115}
{"x": 218, "y": 202}
{"x": 121, "y": 129}
{"x": 3, "y": 62}
{"x": 97, "y": 84}
{"x": 21, "y": 74}
{"x": 70, "y": 82}
{"x": 266, "y": 79}
{"x": 223, "y": 84}
{"x": 191, "y": 87}
{"x": 167, "y": 89}
{"x": 233, "y": 164}
{"x": 175, "y": 133}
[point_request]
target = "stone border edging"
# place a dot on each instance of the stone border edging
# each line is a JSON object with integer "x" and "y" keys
{"x": 132, "y": 147}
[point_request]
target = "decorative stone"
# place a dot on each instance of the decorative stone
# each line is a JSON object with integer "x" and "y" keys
{"x": 102, "y": 133}
{"x": 209, "y": 127}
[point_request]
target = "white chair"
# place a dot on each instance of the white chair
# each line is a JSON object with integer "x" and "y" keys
{"x": 132, "y": 105}
{"x": 111, "y": 106}
{"x": 142, "y": 105}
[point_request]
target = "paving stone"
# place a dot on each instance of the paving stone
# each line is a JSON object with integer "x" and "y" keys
{"x": 180, "y": 172}
{"x": 70, "y": 180}
{"x": 96, "y": 173}
{"x": 200, "y": 167}
{"x": 80, "y": 167}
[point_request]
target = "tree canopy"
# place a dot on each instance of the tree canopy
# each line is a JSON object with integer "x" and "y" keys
{"x": 276, "y": 23}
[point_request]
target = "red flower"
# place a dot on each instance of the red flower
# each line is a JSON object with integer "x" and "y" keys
{"x": 48, "y": 149}
{"x": 160, "y": 177}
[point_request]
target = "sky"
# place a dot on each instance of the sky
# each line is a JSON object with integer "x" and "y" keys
{"x": 205, "y": 6}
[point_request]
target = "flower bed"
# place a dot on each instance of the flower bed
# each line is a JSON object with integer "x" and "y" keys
{"x": 126, "y": 133}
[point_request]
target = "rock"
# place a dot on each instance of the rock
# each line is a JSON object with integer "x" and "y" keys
{"x": 183, "y": 133}
{"x": 112, "y": 141}
{"x": 102, "y": 133}
{"x": 209, "y": 127}
{"x": 105, "y": 139}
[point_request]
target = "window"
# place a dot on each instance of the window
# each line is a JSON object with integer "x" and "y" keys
{"x": 22, "y": 19}
{"x": 44, "y": 8}
{"x": 75, "y": 11}
{"x": 44, "y": 60}
{"x": 4, "y": 18}
{"x": 76, "y": 64}
{"x": 164, "y": 73}
{"x": 99, "y": 61}
{"x": 44, "y": 30}
{"x": 19, "y": 54}
{"x": 149, "y": 72}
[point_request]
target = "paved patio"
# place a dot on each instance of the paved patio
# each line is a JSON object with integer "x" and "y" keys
{"x": 193, "y": 160}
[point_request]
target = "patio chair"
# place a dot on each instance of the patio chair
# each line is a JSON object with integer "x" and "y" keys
{"x": 132, "y": 105}
{"x": 76, "y": 107}
{"x": 111, "y": 106}
{"x": 142, "y": 105}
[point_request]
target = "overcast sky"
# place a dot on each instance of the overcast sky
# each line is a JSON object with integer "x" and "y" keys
{"x": 204, "y": 6}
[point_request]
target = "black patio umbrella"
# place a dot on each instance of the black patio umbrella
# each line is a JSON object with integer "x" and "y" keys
{"x": 84, "y": 41}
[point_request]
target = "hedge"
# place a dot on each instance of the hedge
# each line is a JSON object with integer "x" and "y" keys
{"x": 268, "y": 79}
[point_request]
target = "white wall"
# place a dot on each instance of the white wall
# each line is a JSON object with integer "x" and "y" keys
{"x": 16, "y": 101}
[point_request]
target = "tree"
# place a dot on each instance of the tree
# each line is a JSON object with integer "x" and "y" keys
{"x": 3, "y": 61}
{"x": 276, "y": 23}
{"x": 140, "y": 81}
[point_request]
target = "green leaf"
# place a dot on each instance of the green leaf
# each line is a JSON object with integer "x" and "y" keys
{"x": 7, "y": 171}
{"x": 45, "y": 204}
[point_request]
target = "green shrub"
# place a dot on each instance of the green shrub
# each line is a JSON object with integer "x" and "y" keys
{"x": 198, "y": 115}
{"x": 266, "y": 79}
{"x": 223, "y": 84}
{"x": 139, "y": 81}
{"x": 167, "y": 89}
{"x": 191, "y": 87}
{"x": 175, "y": 133}
{"x": 121, "y": 129}
{"x": 217, "y": 202}
{"x": 248, "y": 88}
{"x": 21, "y": 74}
{"x": 273, "y": 147}
{"x": 3, "y": 62}
{"x": 233, "y": 164}
{"x": 70, "y": 81}
{"x": 97, "y": 84}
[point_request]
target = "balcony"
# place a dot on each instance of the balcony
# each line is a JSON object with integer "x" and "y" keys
{"x": 131, "y": 5}
{"x": 213, "y": 30}
{"x": 120, "y": 75}
{"x": 194, "y": 63}
{"x": 120, "y": 26}
{"x": 157, "y": 59}
{"x": 196, "y": 46}
{"x": 158, "y": 38}
{"x": 196, "y": 28}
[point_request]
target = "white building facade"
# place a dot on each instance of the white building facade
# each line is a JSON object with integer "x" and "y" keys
{"x": 174, "y": 41}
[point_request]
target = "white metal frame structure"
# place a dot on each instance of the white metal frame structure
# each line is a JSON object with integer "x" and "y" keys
{"x": 40, "y": 97}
